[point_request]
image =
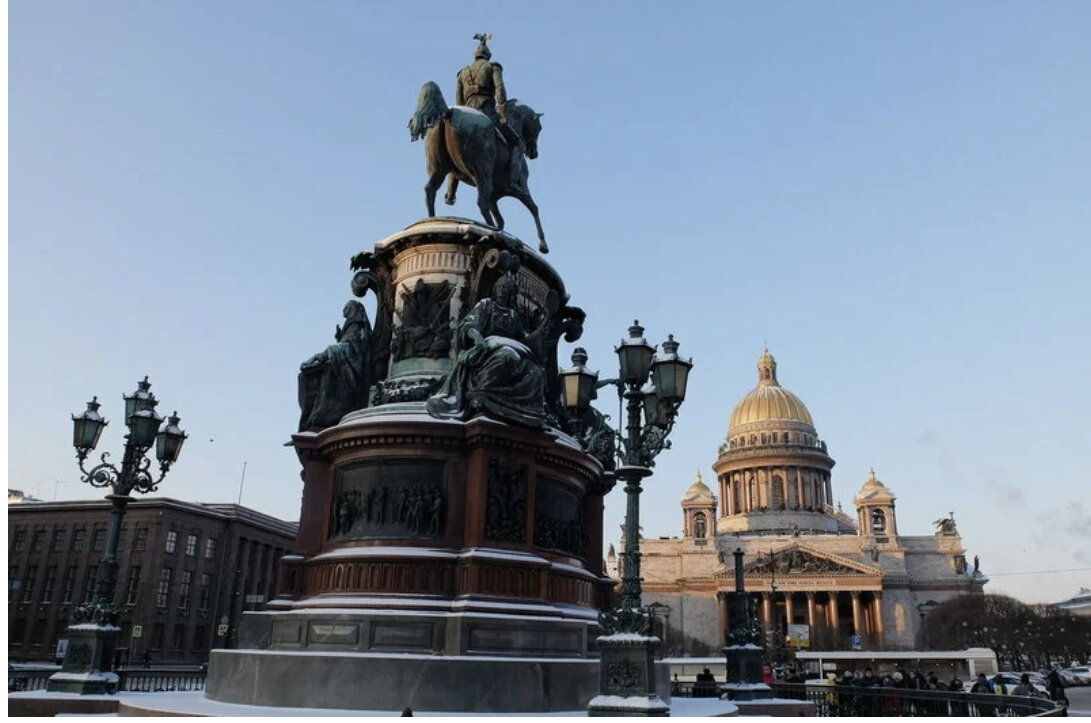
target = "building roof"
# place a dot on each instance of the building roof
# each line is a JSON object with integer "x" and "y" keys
{"x": 225, "y": 511}
{"x": 769, "y": 401}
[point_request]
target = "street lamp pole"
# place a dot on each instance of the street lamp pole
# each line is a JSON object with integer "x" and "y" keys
{"x": 92, "y": 635}
{"x": 654, "y": 387}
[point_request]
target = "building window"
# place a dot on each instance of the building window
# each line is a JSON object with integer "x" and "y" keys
{"x": 58, "y": 541}
{"x": 172, "y": 541}
{"x": 140, "y": 542}
{"x": 157, "y": 636}
{"x": 205, "y": 591}
{"x": 98, "y": 539}
{"x": 121, "y": 537}
{"x": 162, "y": 593}
{"x": 199, "y": 638}
{"x": 89, "y": 586}
{"x": 191, "y": 545}
{"x": 78, "y": 538}
{"x": 185, "y": 582}
{"x": 20, "y": 542}
{"x": 38, "y": 542}
{"x": 179, "y": 637}
{"x": 50, "y": 583}
{"x": 28, "y": 583}
{"x": 210, "y": 548}
{"x": 69, "y": 587}
{"x": 133, "y": 587}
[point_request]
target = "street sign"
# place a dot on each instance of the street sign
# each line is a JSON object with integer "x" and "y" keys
{"x": 138, "y": 631}
{"x": 857, "y": 642}
{"x": 225, "y": 620}
{"x": 221, "y": 630}
{"x": 62, "y": 649}
{"x": 251, "y": 599}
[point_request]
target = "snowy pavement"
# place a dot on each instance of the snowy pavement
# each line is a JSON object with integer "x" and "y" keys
{"x": 195, "y": 703}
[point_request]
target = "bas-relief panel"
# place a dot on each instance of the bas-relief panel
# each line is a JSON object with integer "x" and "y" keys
{"x": 558, "y": 518}
{"x": 388, "y": 499}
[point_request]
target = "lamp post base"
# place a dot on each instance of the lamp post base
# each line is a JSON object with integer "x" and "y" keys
{"x": 87, "y": 667}
{"x": 627, "y": 677}
{"x": 744, "y": 664}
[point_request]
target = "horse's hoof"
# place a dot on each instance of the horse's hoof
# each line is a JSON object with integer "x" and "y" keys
{"x": 449, "y": 200}
{"x": 543, "y": 246}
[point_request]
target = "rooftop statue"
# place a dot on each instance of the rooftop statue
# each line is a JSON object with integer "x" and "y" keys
{"x": 483, "y": 140}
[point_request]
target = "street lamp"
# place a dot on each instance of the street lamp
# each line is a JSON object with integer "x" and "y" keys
{"x": 92, "y": 634}
{"x": 654, "y": 387}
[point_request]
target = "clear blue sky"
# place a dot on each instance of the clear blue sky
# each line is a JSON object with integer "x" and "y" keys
{"x": 893, "y": 196}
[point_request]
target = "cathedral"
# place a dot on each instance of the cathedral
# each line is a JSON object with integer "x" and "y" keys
{"x": 820, "y": 577}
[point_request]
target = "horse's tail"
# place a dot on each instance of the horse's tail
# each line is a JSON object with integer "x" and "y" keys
{"x": 431, "y": 109}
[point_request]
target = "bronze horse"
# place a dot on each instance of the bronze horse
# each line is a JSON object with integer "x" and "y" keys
{"x": 466, "y": 143}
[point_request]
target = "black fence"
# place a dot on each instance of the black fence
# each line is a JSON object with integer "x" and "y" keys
{"x": 842, "y": 701}
{"x": 142, "y": 680}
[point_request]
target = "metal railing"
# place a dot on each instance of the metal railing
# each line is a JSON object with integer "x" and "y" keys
{"x": 142, "y": 680}
{"x": 842, "y": 701}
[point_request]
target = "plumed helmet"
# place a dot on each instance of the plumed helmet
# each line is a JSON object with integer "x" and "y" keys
{"x": 482, "y": 50}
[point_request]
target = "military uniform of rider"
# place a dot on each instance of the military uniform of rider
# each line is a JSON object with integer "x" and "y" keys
{"x": 480, "y": 85}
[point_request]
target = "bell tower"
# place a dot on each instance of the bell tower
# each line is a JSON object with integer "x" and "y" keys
{"x": 699, "y": 511}
{"x": 875, "y": 509}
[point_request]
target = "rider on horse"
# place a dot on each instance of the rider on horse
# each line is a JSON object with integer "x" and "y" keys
{"x": 480, "y": 85}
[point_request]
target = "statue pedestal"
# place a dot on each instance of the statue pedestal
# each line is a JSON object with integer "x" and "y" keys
{"x": 434, "y": 557}
{"x": 87, "y": 667}
{"x": 627, "y": 670}
{"x": 744, "y": 664}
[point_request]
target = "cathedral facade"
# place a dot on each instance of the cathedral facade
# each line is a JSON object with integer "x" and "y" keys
{"x": 819, "y": 577}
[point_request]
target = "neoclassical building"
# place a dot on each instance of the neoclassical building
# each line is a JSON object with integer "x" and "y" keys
{"x": 818, "y": 573}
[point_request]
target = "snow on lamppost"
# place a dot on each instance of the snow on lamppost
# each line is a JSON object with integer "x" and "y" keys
{"x": 654, "y": 387}
{"x": 92, "y": 635}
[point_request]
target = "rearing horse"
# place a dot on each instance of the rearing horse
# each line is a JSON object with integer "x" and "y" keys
{"x": 465, "y": 143}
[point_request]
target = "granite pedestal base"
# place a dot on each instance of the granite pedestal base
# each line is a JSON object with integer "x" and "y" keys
{"x": 375, "y": 681}
{"x": 87, "y": 667}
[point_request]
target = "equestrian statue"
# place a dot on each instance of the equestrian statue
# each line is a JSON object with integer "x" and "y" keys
{"x": 483, "y": 140}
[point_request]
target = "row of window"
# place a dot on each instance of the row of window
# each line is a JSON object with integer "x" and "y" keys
{"x": 132, "y": 586}
{"x": 79, "y": 540}
{"x": 772, "y": 438}
{"x": 192, "y": 543}
{"x": 185, "y": 586}
{"x": 98, "y": 541}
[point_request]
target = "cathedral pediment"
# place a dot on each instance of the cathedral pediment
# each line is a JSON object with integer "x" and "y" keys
{"x": 802, "y": 560}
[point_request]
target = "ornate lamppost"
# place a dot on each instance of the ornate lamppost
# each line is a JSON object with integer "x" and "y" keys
{"x": 744, "y": 649}
{"x": 92, "y": 634}
{"x": 654, "y": 387}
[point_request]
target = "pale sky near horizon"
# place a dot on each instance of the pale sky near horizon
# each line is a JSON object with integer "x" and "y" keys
{"x": 894, "y": 197}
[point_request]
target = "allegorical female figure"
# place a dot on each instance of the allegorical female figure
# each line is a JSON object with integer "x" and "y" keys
{"x": 335, "y": 382}
{"x": 496, "y": 372}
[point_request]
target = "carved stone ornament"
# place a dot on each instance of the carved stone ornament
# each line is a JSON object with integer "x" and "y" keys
{"x": 425, "y": 317}
{"x": 624, "y": 676}
{"x": 388, "y": 499}
{"x": 415, "y": 388}
{"x": 795, "y": 561}
{"x": 506, "y": 516}
{"x": 626, "y": 620}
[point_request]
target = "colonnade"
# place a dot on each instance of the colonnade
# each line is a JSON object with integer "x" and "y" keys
{"x": 832, "y": 615}
{"x": 787, "y": 487}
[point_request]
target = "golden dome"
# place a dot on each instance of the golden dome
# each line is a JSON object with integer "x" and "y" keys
{"x": 769, "y": 401}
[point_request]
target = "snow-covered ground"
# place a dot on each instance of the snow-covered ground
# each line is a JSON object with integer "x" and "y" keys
{"x": 196, "y": 704}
